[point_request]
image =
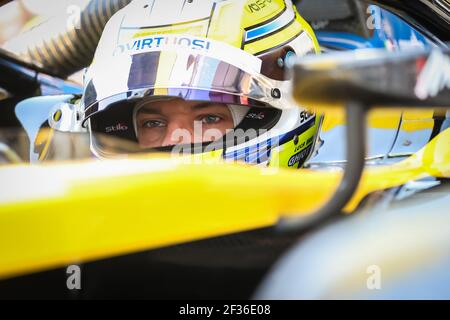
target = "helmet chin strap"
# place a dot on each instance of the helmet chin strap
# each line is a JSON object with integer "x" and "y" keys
{"x": 238, "y": 113}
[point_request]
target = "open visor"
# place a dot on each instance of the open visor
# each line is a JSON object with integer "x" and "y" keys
{"x": 216, "y": 73}
{"x": 185, "y": 74}
{"x": 145, "y": 124}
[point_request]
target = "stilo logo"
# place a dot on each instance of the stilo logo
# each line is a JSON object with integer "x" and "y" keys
{"x": 257, "y": 116}
{"x": 117, "y": 128}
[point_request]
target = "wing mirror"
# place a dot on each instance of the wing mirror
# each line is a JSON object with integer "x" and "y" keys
{"x": 360, "y": 80}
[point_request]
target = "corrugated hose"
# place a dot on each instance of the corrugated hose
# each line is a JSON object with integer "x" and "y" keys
{"x": 62, "y": 46}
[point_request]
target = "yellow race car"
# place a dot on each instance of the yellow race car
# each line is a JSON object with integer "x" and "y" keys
{"x": 76, "y": 222}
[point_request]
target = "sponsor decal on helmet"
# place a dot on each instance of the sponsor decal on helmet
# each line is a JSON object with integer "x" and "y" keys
{"x": 257, "y": 5}
{"x": 303, "y": 144}
{"x": 116, "y": 128}
{"x": 299, "y": 157}
{"x": 256, "y": 116}
{"x": 163, "y": 41}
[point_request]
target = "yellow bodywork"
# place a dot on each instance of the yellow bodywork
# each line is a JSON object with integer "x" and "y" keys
{"x": 56, "y": 214}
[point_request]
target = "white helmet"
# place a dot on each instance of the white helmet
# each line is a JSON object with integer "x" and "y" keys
{"x": 233, "y": 53}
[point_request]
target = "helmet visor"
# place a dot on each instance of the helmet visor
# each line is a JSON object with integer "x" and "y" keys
{"x": 155, "y": 122}
{"x": 185, "y": 74}
{"x": 216, "y": 73}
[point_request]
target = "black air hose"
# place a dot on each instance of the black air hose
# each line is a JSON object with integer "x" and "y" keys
{"x": 62, "y": 48}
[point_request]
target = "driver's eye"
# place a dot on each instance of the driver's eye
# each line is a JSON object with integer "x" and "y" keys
{"x": 153, "y": 124}
{"x": 210, "y": 119}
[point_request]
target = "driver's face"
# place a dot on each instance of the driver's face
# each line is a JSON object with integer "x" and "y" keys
{"x": 171, "y": 122}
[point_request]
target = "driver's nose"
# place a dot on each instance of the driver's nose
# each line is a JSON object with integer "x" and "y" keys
{"x": 178, "y": 132}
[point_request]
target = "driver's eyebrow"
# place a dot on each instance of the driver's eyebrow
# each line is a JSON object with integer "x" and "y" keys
{"x": 149, "y": 110}
{"x": 154, "y": 110}
{"x": 205, "y": 105}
